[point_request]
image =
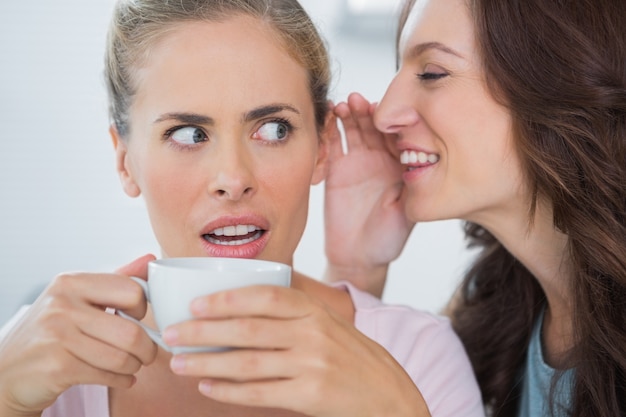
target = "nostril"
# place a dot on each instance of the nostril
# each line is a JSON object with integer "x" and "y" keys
{"x": 233, "y": 193}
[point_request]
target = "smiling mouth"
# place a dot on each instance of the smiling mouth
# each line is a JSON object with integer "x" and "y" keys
{"x": 415, "y": 159}
{"x": 240, "y": 234}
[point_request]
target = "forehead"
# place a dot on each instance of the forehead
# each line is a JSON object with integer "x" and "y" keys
{"x": 447, "y": 22}
{"x": 241, "y": 58}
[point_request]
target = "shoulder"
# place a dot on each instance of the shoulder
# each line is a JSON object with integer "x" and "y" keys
{"x": 426, "y": 346}
{"x": 396, "y": 326}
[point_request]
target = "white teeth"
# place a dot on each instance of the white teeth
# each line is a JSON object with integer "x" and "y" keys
{"x": 232, "y": 242}
{"x": 413, "y": 157}
{"x": 238, "y": 230}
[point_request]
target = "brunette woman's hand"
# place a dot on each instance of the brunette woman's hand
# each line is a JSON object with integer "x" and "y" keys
{"x": 292, "y": 353}
{"x": 365, "y": 225}
{"x": 66, "y": 338}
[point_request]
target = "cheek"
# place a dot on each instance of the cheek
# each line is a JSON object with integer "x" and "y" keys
{"x": 168, "y": 190}
{"x": 480, "y": 137}
{"x": 289, "y": 185}
{"x": 290, "y": 181}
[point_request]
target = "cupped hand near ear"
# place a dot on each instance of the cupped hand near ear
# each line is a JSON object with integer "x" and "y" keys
{"x": 365, "y": 224}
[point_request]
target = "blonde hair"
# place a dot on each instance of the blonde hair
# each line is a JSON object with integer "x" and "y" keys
{"x": 137, "y": 24}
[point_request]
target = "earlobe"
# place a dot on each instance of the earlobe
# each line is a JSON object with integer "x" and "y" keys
{"x": 329, "y": 133}
{"x": 121, "y": 159}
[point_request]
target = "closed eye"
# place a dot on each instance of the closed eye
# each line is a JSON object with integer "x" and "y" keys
{"x": 431, "y": 76}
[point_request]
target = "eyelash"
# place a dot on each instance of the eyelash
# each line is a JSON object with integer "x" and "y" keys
{"x": 431, "y": 76}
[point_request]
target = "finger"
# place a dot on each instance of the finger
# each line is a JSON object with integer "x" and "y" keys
{"x": 85, "y": 374}
{"x": 119, "y": 334}
{"x": 335, "y": 146}
{"x": 372, "y": 108}
{"x": 362, "y": 113}
{"x": 267, "y": 394}
{"x": 65, "y": 318}
{"x": 61, "y": 367}
{"x": 137, "y": 268}
{"x": 237, "y": 365}
{"x": 101, "y": 355}
{"x": 107, "y": 290}
{"x": 258, "y": 300}
{"x": 249, "y": 332}
{"x": 351, "y": 130}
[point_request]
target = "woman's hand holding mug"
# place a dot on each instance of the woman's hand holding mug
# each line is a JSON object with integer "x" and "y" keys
{"x": 66, "y": 338}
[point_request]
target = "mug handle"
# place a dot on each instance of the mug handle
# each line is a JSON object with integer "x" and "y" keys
{"x": 152, "y": 333}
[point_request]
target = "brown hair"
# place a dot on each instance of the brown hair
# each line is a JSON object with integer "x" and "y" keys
{"x": 137, "y": 24}
{"x": 560, "y": 68}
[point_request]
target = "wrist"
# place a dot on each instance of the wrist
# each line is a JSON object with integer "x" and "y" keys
{"x": 370, "y": 279}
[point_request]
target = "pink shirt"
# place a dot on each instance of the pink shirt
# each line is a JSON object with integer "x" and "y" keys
{"x": 423, "y": 343}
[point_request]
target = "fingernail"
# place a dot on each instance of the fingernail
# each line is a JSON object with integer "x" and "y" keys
{"x": 170, "y": 336}
{"x": 177, "y": 364}
{"x": 199, "y": 306}
{"x": 205, "y": 388}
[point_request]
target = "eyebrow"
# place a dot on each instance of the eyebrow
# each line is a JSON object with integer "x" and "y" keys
{"x": 264, "y": 111}
{"x": 186, "y": 118}
{"x": 419, "y": 49}
{"x": 199, "y": 119}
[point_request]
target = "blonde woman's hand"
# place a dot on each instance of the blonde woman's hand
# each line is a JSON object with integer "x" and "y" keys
{"x": 365, "y": 225}
{"x": 66, "y": 338}
{"x": 292, "y": 353}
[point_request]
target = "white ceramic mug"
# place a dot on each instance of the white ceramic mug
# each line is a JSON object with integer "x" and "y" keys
{"x": 174, "y": 282}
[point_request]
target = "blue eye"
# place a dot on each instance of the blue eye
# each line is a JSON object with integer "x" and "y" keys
{"x": 188, "y": 135}
{"x": 273, "y": 131}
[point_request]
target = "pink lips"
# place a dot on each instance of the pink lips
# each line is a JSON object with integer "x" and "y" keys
{"x": 227, "y": 236}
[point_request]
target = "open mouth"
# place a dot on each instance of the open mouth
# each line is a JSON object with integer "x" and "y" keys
{"x": 240, "y": 234}
{"x": 415, "y": 160}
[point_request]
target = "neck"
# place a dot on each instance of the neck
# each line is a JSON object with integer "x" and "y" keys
{"x": 543, "y": 251}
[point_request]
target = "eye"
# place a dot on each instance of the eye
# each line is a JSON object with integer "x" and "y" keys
{"x": 432, "y": 73}
{"x": 431, "y": 76}
{"x": 275, "y": 131}
{"x": 188, "y": 135}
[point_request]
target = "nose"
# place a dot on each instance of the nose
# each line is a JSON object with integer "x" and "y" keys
{"x": 397, "y": 110}
{"x": 232, "y": 173}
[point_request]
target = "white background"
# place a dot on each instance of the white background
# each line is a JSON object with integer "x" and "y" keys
{"x": 61, "y": 206}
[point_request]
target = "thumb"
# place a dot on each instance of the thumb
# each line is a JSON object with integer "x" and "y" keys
{"x": 137, "y": 268}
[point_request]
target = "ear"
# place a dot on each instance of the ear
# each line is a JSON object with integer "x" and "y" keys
{"x": 121, "y": 159}
{"x": 329, "y": 133}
